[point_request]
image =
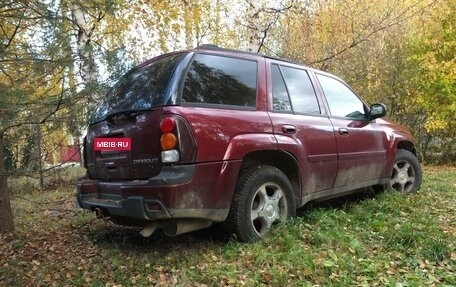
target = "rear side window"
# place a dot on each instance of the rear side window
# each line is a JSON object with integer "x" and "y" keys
{"x": 299, "y": 89}
{"x": 281, "y": 101}
{"x": 221, "y": 81}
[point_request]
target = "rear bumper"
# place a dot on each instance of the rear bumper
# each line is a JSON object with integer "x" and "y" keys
{"x": 142, "y": 209}
{"x": 190, "y": 191}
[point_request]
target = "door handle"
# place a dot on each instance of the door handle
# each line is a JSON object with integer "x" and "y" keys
{"x": 288, "y": 129}
{"x": 343, "y": 131}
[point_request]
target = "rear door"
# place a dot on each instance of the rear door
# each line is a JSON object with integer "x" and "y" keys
{"x": 132, "y": 109}
{"x": 220, "y": 97}
{"x": 141, "y": 162}
{"x": 301, "y": 128}
{"x": 361, "y": 143}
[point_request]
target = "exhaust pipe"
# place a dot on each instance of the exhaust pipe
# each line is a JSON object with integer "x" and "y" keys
{"x": 185, "y": 225}
{"x": 175, "y": 227}
{"x": 150, "y": 228}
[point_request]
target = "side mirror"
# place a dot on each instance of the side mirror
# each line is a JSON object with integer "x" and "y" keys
{"x": 377, "y": 111}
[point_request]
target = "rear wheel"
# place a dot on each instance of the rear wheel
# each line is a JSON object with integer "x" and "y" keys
{"x": 263, "y": 197}
{"x": 407, "y": 174}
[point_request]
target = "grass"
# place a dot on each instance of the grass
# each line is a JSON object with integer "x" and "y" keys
{"x": 366, "y": 240}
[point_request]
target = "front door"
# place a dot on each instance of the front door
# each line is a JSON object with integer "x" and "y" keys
{"x": 361, "y": 143}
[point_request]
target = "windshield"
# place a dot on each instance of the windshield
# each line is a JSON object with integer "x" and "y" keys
{"x": 142, "y": 88}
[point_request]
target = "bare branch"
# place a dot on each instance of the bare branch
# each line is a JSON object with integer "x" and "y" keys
{"x": 265, "y": 33}
{"x": 395, "y": 21}
{"x": 16, "y": 29}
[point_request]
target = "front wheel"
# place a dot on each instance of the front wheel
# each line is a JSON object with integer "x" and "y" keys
{"x": 263, "y": 196}
{"x": 407, "y": 174}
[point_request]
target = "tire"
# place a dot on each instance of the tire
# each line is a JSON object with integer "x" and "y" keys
{"x": 263, "y": 196}
{"x": 407, "y": 174}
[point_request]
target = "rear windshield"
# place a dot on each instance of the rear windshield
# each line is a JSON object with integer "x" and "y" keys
{"x": 142, "y": 88}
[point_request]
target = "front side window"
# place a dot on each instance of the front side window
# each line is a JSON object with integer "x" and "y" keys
{"x": 341, "y": 100}
{"x": 221, "y": 81}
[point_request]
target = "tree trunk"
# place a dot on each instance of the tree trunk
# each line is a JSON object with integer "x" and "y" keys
{"x": 39, "y": 157}
{"x": 88, "y": 67}
{"x": 253, "y": 24}
{"x": 6, "y": 217}
{"x": 74, "y": 124}
{"x": 188, "y": 25}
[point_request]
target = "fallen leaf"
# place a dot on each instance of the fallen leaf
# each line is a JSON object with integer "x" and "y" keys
{"x": 266, "y": 277}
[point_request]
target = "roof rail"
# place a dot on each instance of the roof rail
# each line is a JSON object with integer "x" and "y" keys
{"x": 211, "y": 46}
{"x": 215, "y": 47}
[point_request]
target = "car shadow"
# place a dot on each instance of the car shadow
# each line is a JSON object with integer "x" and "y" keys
{"x": 342, "y": 202}
{"x": 112, "y": 236}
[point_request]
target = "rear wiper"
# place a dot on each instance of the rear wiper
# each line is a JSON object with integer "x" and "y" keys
{"x": 128, "y": 114}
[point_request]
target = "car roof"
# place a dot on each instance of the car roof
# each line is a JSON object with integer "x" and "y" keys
{"x": 211, "y": 47}
{"x": 227, "y": 51}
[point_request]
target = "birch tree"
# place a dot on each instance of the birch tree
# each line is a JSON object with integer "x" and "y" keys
{"x": 40, "y": 85}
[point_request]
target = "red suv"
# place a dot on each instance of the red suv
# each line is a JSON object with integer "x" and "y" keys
{"x": 218, "y": 135}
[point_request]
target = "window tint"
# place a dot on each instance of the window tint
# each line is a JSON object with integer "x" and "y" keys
{"x": 280, "y": 99}
{"x": 221, "y": 80}
{"x": 341, "y": 100}
{"x": 141, "y": 88}
{"x": 302, "y": 94}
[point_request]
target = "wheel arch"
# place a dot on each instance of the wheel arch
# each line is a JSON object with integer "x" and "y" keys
{"x": 282, "y": 160}
{"x": 407, "y": 145}
{"x": 399, "y": 143}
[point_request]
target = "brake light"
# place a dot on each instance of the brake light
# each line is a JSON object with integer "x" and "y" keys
{"x": 177, "y": 140}
{"x": 167, "y": 125}
{"x": 168, "y": 140}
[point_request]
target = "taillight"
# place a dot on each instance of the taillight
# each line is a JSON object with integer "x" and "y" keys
{"x": 177, "y": 140}
{"x": 167, "y": 125}
{"x": 168, "y": 140}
